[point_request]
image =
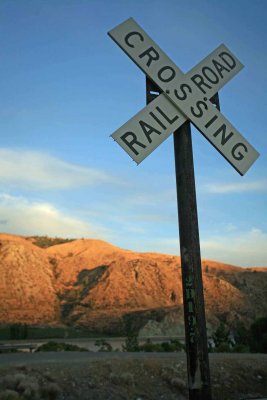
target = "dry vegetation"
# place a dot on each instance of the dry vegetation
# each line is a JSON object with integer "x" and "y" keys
{"x": 132, "y": 379}
{"x": 24, "y": 384}
{"x": 45, "y": 241}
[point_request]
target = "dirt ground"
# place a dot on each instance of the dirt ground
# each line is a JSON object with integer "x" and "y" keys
{"x": 150, "y": 378}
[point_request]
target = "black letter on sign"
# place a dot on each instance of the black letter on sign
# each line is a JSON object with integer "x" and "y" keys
{"x": 166, "y": 79}
{"x": 126, "y": 39}
{"x": 222, "y": 130}
{"x": 170, "y": 121}
{"x": 232, "y": 64}
{"x": 198, "y": 105}
{"x": 132, "y": 142}
{"x": 219, "y": 67}
{"x": 200, "y": 82}
{"x": 152, "y": 54}
{"x": 158, "y": 120}
{"x": 148, "y": 129}
{"x": 210, "y": 122}
{"x": 239, "y": 155}
{"x": 183, "y": 86}
{"x": 215, "y": 79}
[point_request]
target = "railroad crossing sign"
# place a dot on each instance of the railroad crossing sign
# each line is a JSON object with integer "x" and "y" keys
{"x": 185, "y": 96}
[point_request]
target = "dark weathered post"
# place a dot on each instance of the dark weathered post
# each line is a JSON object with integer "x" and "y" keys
{"x": 194, "y": 309}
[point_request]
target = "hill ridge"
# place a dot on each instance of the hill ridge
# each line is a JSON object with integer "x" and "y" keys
{"x": 94, "y": 284}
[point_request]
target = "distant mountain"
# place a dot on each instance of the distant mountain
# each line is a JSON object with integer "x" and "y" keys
{"x": 93, "y": 284}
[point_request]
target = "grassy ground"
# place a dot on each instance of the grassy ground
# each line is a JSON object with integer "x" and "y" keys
{"x": 132, "y": 379}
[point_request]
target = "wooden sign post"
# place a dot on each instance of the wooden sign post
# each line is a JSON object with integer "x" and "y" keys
{"x": 194, "y": 311}
{"x": 198, "y": 372}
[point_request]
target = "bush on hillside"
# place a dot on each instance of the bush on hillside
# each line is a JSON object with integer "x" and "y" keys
{"x": 171, "y": 346}
{"x": 55, "y": 346}
{"x": 45, "y": 241}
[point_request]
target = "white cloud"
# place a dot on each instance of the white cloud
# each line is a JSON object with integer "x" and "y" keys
{"x": 21, "y": 216}
{"x": 164, "y": 245}
{"x": 36, "y": 170}
{"x": 238, "y": 187}
{"x": 24, "y": 217}
{"x": 244, "y": 249}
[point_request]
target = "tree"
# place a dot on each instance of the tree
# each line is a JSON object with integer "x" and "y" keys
{"x": 103, "y": 345}
{"x": 221, "y": 338}
{"x": 241, "y": 334}
{"x": 18, "y": 331}
{"x": 131, "y": 342}
{"x": 258, "y": 336}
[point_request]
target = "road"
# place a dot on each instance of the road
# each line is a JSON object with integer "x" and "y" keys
{"x": 13, "y": 359}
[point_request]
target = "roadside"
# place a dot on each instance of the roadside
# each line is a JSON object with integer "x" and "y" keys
{"x": 127, "y": 376}
{"x": 88, "y": 343}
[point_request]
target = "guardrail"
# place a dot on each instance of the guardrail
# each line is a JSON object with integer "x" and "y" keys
{"x": 20, "y": 347}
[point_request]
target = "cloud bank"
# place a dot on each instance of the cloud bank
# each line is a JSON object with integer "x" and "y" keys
{"x": 238, "y": 187}
{"x": 24, "y": 217}
{"x": 39, "y": 171}
{"x": 246, "y": 249}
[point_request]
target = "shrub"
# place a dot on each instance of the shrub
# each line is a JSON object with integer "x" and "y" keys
{"x": 29, "y": 388}
{"x": 171, "y": 346}
{"x": 44, "y": 241}
{"x": 258, "y": 336}
{"x": 174, "y": 345}
{"x": 240, "y": 348}
{"x": 18, "y": 331}
{"x": 12, "y": 381}
{"x": 131, "y": 343}
{"x": 55, "y": 346}
{"x": 103, "y": 345}
{"x": 125, "y": 378}
{"x": 20, "y": 386}
{"x": 9, "y": 395}
{"x": 53, "y": 262}
{"x": 222, "y": 348}
{"x": 50, "y": 391}
{"x": 241, "y": 334}
{"x": 221, "y": 335}
{"x": 148, "y": 346}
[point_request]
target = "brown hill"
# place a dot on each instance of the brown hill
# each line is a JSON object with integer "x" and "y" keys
{"x": 27, "y": 293}
{"x": 94, "y": 284}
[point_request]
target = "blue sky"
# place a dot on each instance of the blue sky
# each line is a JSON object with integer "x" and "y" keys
{"x": 66, "y": 86}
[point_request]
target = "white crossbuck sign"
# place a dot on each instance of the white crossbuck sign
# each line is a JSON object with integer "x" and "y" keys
{"x": 185, "y": 96}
